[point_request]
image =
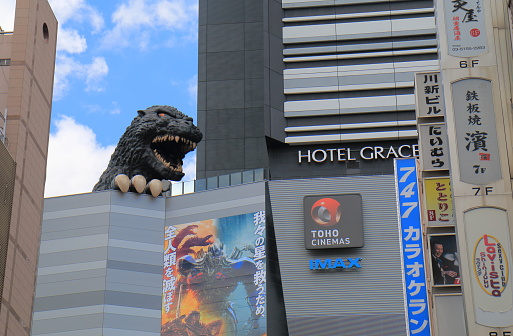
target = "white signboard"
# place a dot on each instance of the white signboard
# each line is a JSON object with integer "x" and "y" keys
{"x": 434, "y": 147}
{"x": 489, "y": 255}
{"x": 465, "y": 27}
{"x": 476, "y": 131}
{"x": 429, "y": 95}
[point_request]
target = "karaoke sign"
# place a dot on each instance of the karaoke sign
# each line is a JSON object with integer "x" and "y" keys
{"x": 333, "y": 221}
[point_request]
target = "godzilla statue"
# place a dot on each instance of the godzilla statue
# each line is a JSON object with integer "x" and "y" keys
{"x": 151, "y": 149}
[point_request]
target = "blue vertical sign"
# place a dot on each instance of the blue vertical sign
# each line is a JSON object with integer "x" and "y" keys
{"x": 412, "y": 248}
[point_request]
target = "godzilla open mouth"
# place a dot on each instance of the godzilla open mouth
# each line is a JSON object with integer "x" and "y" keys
{"x": 171, "y": 149}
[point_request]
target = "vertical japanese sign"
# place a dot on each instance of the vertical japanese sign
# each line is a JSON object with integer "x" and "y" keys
{"x": 412, "y": 248}
{"x": 476, "y": 131}
{"x": 434, "y": 147}
{"x": 489, "y": 251}
{"x": 439, "y": 204}
{"x": 214, "y": 277}
{"x": 429, "y": 95}
{"x": 465, "y": 27}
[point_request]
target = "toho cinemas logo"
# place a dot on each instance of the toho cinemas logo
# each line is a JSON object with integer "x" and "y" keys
{"x": 333, "y": 221}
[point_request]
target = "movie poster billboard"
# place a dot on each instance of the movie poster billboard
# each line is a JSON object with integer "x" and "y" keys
{"x": 214, "y": 277}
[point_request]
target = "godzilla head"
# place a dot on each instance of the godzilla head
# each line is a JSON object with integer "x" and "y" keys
{"x": 167, "y": 135}
{"x": 153, "y": 146}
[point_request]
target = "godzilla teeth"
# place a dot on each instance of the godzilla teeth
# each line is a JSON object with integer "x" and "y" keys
{"x": 178, "y": 167}
{"x": 185, "y": 144}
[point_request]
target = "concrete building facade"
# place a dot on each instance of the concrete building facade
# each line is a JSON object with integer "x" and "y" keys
{"x": 27, "y": 61}
{"x": 279, "y": 77}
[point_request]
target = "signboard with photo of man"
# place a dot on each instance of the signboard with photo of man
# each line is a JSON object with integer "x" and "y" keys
{"x": 444, "y": 260}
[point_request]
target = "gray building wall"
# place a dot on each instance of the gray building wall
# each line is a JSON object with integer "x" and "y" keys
{"x": 364, "y": 301}
{"x": 231, "y": 84}
{"x": 100, "y": 266}
{"x": 101, "y": 258}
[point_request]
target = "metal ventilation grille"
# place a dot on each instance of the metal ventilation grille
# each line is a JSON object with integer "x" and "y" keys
{"x": 7, "y": 175}
{"x": 349, "y": 68}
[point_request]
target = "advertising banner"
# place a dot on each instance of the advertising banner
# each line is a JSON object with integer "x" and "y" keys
{"x": 465, "y": 27}
{"x": 489, "y": 255}
{"x": 333, "y": 221}
{"x": 214, "y": 277}
{"x": 445, "y": 262}
{"x": 476, "y": 131}
{"x": 412, "y": 248}
{"x": 439, "y": 202}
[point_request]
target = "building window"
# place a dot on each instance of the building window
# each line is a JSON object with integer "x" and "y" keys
{"x": 46, "y": 35}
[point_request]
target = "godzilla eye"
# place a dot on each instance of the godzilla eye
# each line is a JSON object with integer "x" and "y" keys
{"x": 161, "y": 114}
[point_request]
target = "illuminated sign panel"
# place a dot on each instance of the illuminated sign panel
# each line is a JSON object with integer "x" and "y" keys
{"x": 333, "y": 221}
{"x": 412, "y": 249}
{"x": 214, "y": 277}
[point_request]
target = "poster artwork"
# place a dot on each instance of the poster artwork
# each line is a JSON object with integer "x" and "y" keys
{"x": 214, "y": 277}
{"x": 465, "y": 27}
{"x": 445, "y": 263}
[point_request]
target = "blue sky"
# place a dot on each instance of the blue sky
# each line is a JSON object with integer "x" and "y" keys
{"x": 113, "y": 58}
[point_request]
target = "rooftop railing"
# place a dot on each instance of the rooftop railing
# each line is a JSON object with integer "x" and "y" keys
{"x": 216, "y": 182}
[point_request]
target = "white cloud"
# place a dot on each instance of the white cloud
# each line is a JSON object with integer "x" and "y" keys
{"x": 77, "y": 10}
{"x": 67, "y": 68}
{"x": 64, "y": 67}
{"x": 75, "y": 159}
{"x": 115, "y": 108}
{"x": 95, "y": 72}
{"x": 189, "y": 167}
{"x": 69, "y": 40}
{"x": 134, "y": 19}
{"x": 192, "y": 88}
{"x": 7, "y": 15}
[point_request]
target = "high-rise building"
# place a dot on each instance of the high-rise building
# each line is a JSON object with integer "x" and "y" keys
{"x": 281, "y": 79}
{"x": 313, "y": 89}
{"x": 27, "y": 61}
{"x": 337, "y": 237}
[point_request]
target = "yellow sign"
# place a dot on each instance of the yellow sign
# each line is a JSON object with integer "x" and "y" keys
{"x": 439, "y": 203}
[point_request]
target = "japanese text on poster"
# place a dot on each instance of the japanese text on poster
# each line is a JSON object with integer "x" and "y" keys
{"x": 214, "y": 277}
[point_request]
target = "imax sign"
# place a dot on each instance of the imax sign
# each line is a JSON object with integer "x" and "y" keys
{"x": 336, "y": 263}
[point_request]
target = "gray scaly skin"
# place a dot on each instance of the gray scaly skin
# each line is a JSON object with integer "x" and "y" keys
{"x": 153, "y": 146}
